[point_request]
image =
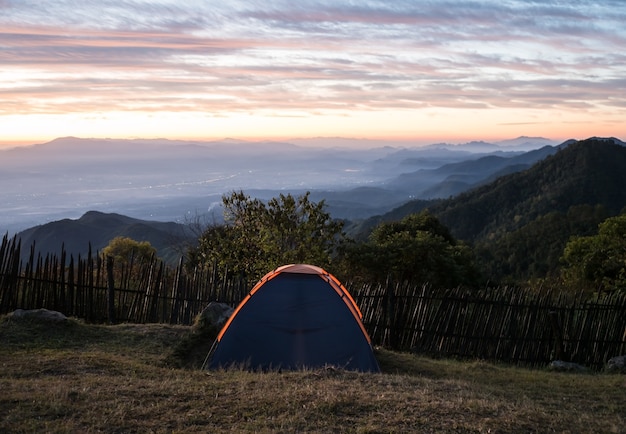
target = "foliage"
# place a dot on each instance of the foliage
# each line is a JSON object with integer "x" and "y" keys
{"x": 128, "y": 257}
{"x": 418, "y": 249}
{"x": 598, "y": 261}
{"x": 258, "y": 237}
{"x": 125, "y": 250}
{"x": 533, "y": 252}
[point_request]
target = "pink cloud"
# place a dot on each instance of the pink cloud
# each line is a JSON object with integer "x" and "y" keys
{"x": 312, "y": 56}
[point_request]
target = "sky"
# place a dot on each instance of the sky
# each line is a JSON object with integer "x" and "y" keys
{"x": 416, "y": 71}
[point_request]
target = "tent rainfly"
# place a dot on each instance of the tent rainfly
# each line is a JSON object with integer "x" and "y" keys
{"x": 296, "y": 317}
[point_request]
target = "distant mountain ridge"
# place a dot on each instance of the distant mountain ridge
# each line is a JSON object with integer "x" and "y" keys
{"x": 98, "y": 229}
{"x": 454, "y": 178}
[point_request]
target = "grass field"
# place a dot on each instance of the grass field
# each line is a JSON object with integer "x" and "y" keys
{"x": 77, "y": 378}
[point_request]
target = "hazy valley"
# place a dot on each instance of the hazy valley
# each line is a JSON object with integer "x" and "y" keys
{"x": 176, "y": 181}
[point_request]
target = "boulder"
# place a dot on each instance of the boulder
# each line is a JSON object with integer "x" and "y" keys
{"x": 561, "y": 366}
{"x": 616, "y": 364}
{"x": 38, "y": 315}
{"x": 214, "y": 316}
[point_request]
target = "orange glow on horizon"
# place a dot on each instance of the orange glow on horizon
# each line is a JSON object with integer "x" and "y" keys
{"x": 402, "y": 128}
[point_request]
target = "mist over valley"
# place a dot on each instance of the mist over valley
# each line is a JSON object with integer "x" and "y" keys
{"x": 167, "y": 180}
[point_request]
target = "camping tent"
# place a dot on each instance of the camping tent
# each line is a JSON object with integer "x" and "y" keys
{"x": 297, "y": 316}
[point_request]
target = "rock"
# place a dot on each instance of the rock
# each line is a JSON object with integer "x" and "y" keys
{"x": 561, "y": 366}
{"x": 214, "y": 315}
{"x": 38, "y": 315}
{"x": 616, "y": 364}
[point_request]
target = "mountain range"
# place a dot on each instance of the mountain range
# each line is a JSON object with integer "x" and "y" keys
{"x": 489, "y": 197}
{"x": 520, "y": 223}
{"x": 586, "y": 172}
{"x": 165, "y": 180}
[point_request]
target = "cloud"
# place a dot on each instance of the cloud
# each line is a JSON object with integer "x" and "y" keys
{"x": 311, "y": 55}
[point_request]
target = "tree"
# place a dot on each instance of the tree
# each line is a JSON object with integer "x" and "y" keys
{"x": 258, "y": 237}
{"x": 598, "y": 261}
{"x": 418, "y": 249}
{"x": 125, "y": 250}
{"x": 127, "y": 254}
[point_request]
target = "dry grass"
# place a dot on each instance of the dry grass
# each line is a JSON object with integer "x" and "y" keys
{"x": 82, "y": 378}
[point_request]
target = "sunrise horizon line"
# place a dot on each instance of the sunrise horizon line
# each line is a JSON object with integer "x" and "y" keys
{"x": 376, "y": 140}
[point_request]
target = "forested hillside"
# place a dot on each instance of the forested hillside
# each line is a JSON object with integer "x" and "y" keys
{"x": 520, "y": 223}
{"x": 588, "y": 172}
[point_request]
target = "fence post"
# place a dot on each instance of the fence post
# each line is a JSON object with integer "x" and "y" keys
{"x": 110, "y": 291}
{"x": 390, "y": 312}
{"x": 558, "y": 335}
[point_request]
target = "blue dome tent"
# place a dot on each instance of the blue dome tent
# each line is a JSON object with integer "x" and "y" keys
{"x": 296, "y": 317}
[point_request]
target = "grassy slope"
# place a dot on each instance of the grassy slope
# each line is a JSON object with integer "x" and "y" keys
{"x": 74, "y": 377}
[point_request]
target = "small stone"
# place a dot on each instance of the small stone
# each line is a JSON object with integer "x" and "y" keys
{"x": 561, "y": 366}
{"x": 616, "y": 364}
{"x": 38, "y": 315}
{"x": 214, "y": 315}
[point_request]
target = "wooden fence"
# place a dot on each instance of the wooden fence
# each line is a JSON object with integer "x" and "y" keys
{"x": 501, "y": 324}
{"x": 142, "y": 292}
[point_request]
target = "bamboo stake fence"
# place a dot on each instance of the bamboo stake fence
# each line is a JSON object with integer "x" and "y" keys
{"x": 501, "y": 324}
